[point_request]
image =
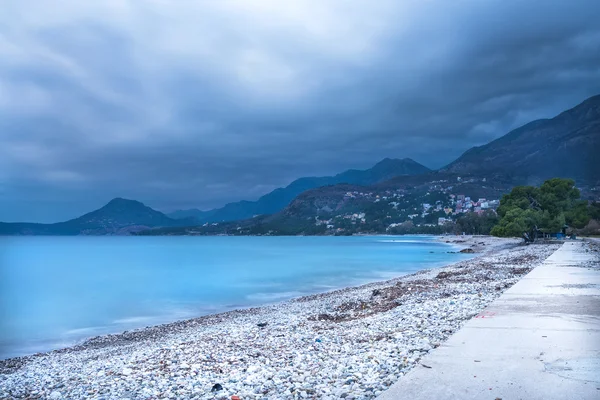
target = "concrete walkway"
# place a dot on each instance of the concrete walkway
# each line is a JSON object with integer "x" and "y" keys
{"x": 539, "y": 340}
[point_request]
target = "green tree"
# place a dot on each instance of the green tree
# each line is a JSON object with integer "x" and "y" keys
{"x": 477, "y": 224}
{"x": 580, "y": 214}
{"x": 527, "y": 209}
{"x": 518, "y": 221}
{"x": 594, "y": 210}
{"x": 558, "y": 195}
{"x": 523, "y": 197}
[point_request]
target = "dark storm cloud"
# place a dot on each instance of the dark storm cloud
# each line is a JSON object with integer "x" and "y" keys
{"x": 194, "y": 104}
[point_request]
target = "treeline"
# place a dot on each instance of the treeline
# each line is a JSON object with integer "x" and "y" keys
{"x": 553, "y": 207}
{"x": 470, "y": 224}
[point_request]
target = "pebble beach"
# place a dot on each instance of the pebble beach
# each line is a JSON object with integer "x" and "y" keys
{"x": 351, "y": 343}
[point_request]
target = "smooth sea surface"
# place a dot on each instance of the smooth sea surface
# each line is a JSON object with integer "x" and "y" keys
{"x": 57, "y": 291}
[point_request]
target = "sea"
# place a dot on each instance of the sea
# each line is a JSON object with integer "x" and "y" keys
{"x": 57, "y": 291}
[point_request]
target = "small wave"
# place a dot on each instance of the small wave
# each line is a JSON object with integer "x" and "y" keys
{"x": 84, "y": 331}
{"x": 400, "y": 241}
{"x": 325, "y": 287}
{"x": 133, "y": 320}
{"x": 273, "y": 296}
{"x": 386, "y": 275}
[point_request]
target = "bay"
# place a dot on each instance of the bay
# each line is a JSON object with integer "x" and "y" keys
{"x": 57, "y": 291}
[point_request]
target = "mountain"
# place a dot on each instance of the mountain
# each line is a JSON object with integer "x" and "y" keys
{"x": 193, "y": 213}
{"x": 119, "y": 216}
{"x": 567, "y": 145}
{"x": 348, "y": 209}
{"x": 564, "y": 146}
{"x": 279, "y": 198}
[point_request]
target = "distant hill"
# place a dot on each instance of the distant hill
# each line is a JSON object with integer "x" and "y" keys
{"x": 119, "y": 216}
{"x": 339, "y": 209}
{"x": 193, "y": 213}
{"x": 567, "y": 145}
{"x": 564, "y": 146}
{"x": 279, "y": 198}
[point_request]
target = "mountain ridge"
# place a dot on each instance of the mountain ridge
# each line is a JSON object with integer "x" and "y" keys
{"x": 277, "y": 199}
{"x": 118, "y": 216}
{"x": 566, "y": 145}
{"x": 563, "y": 146}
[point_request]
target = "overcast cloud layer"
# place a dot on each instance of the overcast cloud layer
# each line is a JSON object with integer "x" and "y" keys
{"x": 185, "y": 104}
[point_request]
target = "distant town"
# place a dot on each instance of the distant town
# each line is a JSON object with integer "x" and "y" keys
{"x": 444, "y": 207}
{"x": 434, "y": 207}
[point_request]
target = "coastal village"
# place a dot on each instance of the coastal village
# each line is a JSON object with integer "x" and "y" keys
{"x": 452, "y": 205}
{"x": 441, "y": 204}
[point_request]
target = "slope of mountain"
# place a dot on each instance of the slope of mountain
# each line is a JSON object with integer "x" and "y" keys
{"x": 567, "y": 145}
{"x": 279, "y": 198}
{"x": 348, "y": 209}
{"x": 193, "y": 213}
{"x": 119, "y": 216}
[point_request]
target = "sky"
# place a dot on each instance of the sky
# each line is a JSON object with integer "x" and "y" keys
{"x": 193, "y": 104}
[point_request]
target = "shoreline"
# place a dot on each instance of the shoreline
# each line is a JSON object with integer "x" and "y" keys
{"x": 456, "y": 247}
{"x": 271, "y": 351}
{"x": 268, "y": 301}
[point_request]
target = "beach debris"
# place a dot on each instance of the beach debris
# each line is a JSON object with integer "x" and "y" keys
{"x": 216, "y": 387}
{"x": 262, "y": 324}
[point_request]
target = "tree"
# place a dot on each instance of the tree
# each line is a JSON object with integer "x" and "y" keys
{"x": 579, "y": 215}
{"x": 594, "y": 210}
{"x": 523, "y": 197}
{"x": 477, "y": 224}
{"x": 517, "y": 222}
{"x": 558, "y": 195}
{"x": 528, "y": 209}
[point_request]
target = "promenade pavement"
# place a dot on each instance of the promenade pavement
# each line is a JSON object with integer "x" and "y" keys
{"x": 539, "y": 340}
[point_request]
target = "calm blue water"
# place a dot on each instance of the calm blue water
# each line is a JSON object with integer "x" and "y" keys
{"x": 57, "y": 291}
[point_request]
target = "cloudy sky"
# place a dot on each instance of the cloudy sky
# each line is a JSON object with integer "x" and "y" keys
{"x": 185, "y": 104}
